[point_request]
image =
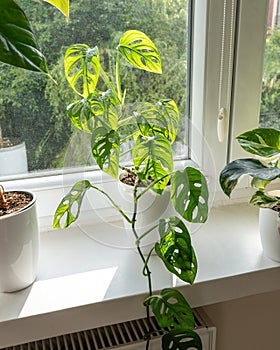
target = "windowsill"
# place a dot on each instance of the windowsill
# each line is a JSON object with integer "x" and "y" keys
{"x": 86, "y": 279}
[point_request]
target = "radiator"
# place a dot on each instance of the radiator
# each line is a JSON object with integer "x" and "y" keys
{"x": 126, "y": 336}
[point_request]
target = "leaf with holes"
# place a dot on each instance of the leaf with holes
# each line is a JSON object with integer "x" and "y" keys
{"x": 168, "y": 110}
{"x": 161, "y": 118}
{"x": 69, "y": 208}
{"x": 189, "y": 194}
{"x": 18, "y": 44}
{"x": 152, "y": 158}
{"x": 264, "y": 142}
{"x": 139, "y": 50}
{"x": 81, "y": 115}
{"x": 180, "y": 339}
{"x": 105, "y": 109}
{"x": 175, "y": 249}
{"x": 82, "y": 68}
{"x": 171, "y": 309}
{"x": 105, "y": 147}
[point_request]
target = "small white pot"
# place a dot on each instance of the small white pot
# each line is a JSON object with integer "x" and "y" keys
{"x": 269, "y": 224}
{"x": 19, "y": 248}
{"x": 13, "y": 160}
{"x": 151, "y": 208}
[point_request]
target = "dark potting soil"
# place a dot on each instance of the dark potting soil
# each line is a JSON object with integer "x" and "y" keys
{"x": 15, "y": 201}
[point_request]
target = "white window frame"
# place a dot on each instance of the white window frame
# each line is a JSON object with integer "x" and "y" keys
{"x": 207, "y": 151}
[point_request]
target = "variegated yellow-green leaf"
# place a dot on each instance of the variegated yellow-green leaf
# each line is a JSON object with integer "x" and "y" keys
{"x": 62, "y": 5}
{"x": 18, "y": 44}
{"x": 160, "y": 118}
{"x": 152, "y": 157}
{"x": 139, "y": 50}
{"x": 105, "y": 145}
{"x": 82, "y": 68}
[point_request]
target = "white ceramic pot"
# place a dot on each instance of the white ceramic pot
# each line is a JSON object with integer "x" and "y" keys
{"x": 269, "y": 223}
{"x": 151, "y": 208}
{"x": 19, "y": 248}
{"x": 13, "y": 160}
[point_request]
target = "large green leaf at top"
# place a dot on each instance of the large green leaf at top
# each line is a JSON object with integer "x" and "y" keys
{"x": 152, "y": 158}
{"x": 62, "y": 5}
{"x": 180, "y": 339}
{"x": 171, "y": 309}
{"x": 231, "y": 173}
{"x": 175, "y": 249}
{"x": 139, "y": 50}
{"x": 18, "y": 44}
{"x": 105, "y": 146}
{"x": 189, "y": 194}
{"x": 82, "y": 68}
{"x": 264, "y": 142}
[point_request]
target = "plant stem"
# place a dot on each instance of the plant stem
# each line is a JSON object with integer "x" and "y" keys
{"x": 107, "y": 81}
{"x": 114, "y": 203}
{"x": 146, "y": 270}
{"x": 118, "y": 77}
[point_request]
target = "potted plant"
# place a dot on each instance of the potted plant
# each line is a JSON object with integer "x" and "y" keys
{"x": 19, "y": 231}
{"x": 149, "y": 129}
{"x": 263, "y": 168}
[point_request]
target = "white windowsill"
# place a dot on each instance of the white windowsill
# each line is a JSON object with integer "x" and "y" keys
{"x": 86, "y": 279}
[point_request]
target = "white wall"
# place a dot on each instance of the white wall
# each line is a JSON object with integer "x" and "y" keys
{"x": 251, "y": 323}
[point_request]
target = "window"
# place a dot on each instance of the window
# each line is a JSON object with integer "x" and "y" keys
{"x": 227, "y": 62}
{"x": 270, "y": 105}
{"x": 33, "y": 108}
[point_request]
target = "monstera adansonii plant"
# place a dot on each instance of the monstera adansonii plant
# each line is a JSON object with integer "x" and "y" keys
{"x": 150, "y": 128}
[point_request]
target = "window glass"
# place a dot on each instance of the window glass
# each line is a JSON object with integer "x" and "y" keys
{"x": 33, "y": 108}
{"x": 270, "y": 98}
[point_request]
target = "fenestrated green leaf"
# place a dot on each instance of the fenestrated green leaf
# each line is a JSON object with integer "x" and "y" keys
{"x": 231, "y": 173}
{"x": 189, "y": 194}
{"x": 18, "y": 44}
{"x": 169, "y": 109}
{"x": 152, "y": 158}
{"x": 105, "y": 146}
{"x": 263, "y": 200}
{"x": 81, "y": 115}
{"x": 175, "y": 249}
{"x": 139, "y": 50}
{"x": 62, "y": 5}
{"x": 171, "y": 309}
{"x": 161, "y": 118}
{"x": 82, "y": 68}
{"x": 69, "y": 208}
{"x": 264, "y": 142}
{"x": 179, "y": 339}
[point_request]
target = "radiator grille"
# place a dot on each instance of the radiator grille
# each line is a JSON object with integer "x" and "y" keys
{"x": 114, "y": 336}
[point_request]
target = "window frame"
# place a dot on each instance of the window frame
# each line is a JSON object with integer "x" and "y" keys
{"x": 206, "y": 150}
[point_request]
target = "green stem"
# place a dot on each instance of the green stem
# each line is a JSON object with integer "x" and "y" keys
{"x": 145, "y": 234}
{"x": 114, "y": 204}
{"x": 151, "y": 185}
{"x": 146, "y": 270}
{"x": 107, "y": 81}
{"x": 118, "y": 77}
